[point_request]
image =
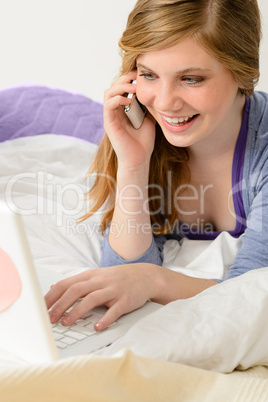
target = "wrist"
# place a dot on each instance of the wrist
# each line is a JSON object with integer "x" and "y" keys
{"x": 133, "y": 177}
{"x": 157, "y": 289}
{"x": 134, "y": 171}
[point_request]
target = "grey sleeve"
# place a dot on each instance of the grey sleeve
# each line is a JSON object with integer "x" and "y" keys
{"x": 254, "y": 250}
{"x": 153, "y": 255}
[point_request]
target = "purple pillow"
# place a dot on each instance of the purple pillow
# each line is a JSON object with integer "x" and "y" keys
{"x": 28, "y": 111}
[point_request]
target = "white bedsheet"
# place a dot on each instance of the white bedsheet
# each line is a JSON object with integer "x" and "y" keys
{"x": 44, "y": 177}
{"x": 222, "y": 328}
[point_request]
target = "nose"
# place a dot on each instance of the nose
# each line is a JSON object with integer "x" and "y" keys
{"x": 168, "y": 98}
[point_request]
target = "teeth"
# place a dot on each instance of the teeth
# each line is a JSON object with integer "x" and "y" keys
{"x": 176, "y": 120}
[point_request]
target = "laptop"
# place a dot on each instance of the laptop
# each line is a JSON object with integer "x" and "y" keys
{"x": 25, "y": 328}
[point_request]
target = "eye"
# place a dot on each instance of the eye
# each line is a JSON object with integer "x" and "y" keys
{"x": 192, "y": 80}
{"x": 148, "y": 76}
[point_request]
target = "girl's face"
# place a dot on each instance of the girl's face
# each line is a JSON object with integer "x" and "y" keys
{"x": 192, "y": 96}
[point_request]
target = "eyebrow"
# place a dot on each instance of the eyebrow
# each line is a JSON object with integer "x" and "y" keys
{"x": 182, "y": 72}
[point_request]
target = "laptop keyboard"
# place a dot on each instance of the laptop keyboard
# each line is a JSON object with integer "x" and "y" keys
{"x": 79, "y": 331}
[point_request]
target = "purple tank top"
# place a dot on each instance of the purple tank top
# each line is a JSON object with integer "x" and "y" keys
{"x": 237, "y": 177}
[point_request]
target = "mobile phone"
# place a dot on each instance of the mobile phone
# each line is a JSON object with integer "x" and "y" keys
{"x": 135, "y": 111}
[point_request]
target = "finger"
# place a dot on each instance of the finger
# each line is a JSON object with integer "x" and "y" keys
{"x": 94, "y": 299}
{"x": 75, "y": 292}
{"x": 114, "y": 116}
{"x": 121, "y": 89}
{"x": 121, "y": 86}
{"x": 126, "y": 78}
{"x": 56, "y": 291}
{"x": 112, "y": 314}
{"x": 59, "y": 288}
{"x": 115, "y": 102}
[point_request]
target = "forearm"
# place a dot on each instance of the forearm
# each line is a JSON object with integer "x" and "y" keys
{"x": 170, "y": 285}
{"x": 130, "y": 233}
{"x": 130, "y": 230}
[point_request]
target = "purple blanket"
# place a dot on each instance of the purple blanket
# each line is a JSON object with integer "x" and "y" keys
{"x": 28, "y": 111}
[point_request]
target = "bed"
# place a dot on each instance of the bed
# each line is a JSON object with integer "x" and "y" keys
{"x": 212, "y": 347}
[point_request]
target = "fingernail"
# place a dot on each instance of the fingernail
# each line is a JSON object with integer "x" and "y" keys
{"x": 66, "y": 320}
{"x": 52, "y": 317}
{"x": 99, "y": 326}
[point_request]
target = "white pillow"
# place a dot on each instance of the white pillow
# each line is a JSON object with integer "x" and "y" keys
{"x": 223, "y": 328}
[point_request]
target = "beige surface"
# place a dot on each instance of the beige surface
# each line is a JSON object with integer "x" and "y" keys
{"x": 130, "y": 378}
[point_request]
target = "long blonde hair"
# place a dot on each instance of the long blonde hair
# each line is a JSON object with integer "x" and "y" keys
{"x": 230, "y": 30}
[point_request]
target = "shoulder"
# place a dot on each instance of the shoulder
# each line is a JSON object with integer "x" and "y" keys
{"x": 255, "y": 172}
{"x": 258, "y": 113}
{"x": 257, "y": 139}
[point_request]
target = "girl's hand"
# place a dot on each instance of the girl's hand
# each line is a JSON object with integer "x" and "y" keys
{"x": 133, "y": 147}
{"x": 121, "y": 288}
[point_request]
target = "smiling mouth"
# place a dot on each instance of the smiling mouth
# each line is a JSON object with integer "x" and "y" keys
{"x": 179, "y": 121}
